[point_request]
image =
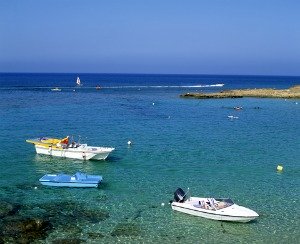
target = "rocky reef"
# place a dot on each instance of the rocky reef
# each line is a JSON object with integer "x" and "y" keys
{"x": 291, "y": 93}
{"x": 32, "y": 223}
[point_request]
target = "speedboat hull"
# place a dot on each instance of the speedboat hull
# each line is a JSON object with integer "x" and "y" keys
{"x": 210, "y": 215}
{"x": 78, "y": 180}
{"x": 99, "y": 153}
{"x": 218, "y": 210}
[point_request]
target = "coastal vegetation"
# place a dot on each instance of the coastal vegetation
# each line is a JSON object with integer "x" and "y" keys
{"x": 290, "y": 93}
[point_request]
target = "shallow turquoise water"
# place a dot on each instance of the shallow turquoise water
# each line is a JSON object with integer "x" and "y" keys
{"x": 176, "y": 143}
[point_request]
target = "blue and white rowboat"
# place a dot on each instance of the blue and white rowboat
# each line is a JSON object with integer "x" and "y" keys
{"x": 77, "y": 180}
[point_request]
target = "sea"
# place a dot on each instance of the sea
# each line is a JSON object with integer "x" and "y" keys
{"x": 175, "y": 142}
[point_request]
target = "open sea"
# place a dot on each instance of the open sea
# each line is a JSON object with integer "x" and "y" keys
{"x": 176, "y": 142}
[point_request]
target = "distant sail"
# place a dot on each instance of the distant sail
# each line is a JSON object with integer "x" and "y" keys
{"x": 78, "y": 82}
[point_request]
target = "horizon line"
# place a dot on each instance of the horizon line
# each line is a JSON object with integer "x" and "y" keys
{"x": 125, "y": 73}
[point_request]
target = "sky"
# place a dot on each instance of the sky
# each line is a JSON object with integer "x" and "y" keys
{"x": 238, "y": 37}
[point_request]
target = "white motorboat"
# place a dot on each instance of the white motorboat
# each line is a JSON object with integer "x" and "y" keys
{"x": 62, "y": 148}
{"x": 223, "y": 209}
{"x": 56, "y": 89}
{"x": 232, "y": 117}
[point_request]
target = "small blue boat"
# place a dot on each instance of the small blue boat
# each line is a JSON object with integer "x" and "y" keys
{"x": 77, "y": 180}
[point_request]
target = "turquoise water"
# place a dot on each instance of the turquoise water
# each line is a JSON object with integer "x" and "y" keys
{"x": 176, "y": 143}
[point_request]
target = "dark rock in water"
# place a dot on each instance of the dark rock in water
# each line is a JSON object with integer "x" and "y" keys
{"x": 101, "y": 198}
{"x": 66, "y": 215}
{"x": 8, "y": 209}
{"x": 93, "y": 216}
{"x": 72, "y": 228}
{"x": 95, "y": 235}
{"x": 25, "y": 231}
{"x": 126, "y": 229}
{"x": 33, "y": 212}
{"x": 5, "y": 209}
{"x": 74, "y": 210}
{"x": 179, "y": 238}
{"x": 61, "y": 209}
{"x": 68, "y": 241}
{"x": 58, "y": 207}
{"x": 138, "y": 214}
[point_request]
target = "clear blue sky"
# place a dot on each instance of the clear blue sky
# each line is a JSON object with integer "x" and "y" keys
{"x": 151, "y": 36}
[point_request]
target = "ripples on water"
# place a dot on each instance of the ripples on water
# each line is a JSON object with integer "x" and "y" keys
{"x": 176, "y": 143}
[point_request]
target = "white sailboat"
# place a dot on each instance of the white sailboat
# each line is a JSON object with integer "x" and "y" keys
{"x": 78, "y": 82}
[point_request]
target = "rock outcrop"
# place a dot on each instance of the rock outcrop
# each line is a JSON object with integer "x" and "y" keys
{"x": 291, "y": 93}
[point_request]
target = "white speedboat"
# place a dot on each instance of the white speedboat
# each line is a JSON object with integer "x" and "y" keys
{"x": 232, "y": 117}
{"x": 56, "y": 89}
{"x": 223, "y": 209}
{"x": 62, "y": 148}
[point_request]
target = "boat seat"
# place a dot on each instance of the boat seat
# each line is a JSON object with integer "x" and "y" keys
{"x": 80, "y": 176}
{"x": 197, "y": 206}
{"x": 62, "y": 177}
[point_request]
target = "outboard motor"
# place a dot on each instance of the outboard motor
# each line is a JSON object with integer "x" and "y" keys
{"x": 179, "y": 195}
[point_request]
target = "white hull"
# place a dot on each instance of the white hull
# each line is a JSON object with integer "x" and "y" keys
{"x": 82, "y": 153}
{"x": 234, "y": 213}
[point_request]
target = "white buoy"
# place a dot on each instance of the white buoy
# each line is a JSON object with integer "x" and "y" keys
{"x": 153, "y": 104}
{"x": 35, "y": 187}
{"x": 129, "y": 143}
{"x": 162, "y": 204}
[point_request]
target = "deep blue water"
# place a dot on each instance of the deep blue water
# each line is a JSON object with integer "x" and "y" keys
{"x": 176, "y": 143}
{"x": 28, "y": 80}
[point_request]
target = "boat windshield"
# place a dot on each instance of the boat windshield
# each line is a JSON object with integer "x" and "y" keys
{"x": 214, "y": 203}
{"x": 223, "y": 203}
